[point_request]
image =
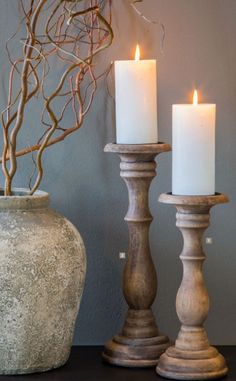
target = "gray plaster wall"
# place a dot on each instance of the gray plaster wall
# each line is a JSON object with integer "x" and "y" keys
{"x": 85, "y": 186}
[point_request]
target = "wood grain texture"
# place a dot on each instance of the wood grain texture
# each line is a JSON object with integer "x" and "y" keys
{"x": 192, "y": 357}
{"x": 140, "y": 344}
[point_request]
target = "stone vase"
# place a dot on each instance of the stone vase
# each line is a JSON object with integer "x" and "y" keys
{"x": 42, "y": 273}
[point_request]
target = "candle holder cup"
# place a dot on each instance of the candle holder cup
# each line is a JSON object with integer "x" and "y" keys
{"x": 139, "y": 344}
{"x": 192, "y": 357}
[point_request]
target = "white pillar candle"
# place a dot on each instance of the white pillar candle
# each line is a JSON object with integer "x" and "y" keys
{"x": 193, "y": 146}
{"x": 136, "y": 101}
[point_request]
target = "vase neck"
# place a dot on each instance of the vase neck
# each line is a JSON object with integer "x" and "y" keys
{"x": 21, "y": 199}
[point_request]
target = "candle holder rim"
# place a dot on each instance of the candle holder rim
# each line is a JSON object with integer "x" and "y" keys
{"x": 148, "y": 148}
{"x": 193, "y": 200}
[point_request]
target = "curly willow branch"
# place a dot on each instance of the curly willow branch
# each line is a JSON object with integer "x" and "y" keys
{"x": 145, "y": 18}
{"x": 68, "y": 33}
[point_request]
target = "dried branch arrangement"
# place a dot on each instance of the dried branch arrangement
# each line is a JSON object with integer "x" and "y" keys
{"x": 70, "y": 33}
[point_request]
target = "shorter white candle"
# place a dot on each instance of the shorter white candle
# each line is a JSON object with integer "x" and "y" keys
{"x": 136, "y": 101}
{"x": 193, "y": 146}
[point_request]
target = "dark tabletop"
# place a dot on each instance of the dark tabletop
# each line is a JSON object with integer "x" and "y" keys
{"x": 85, "y": 364}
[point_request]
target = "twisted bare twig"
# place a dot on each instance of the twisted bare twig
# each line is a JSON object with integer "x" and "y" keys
{"x": 145, "y": 18}
{"x": 73, "y": 32}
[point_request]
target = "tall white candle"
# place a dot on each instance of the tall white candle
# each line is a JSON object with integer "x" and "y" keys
{"x": 136, "y": 101}
{"x": 193, "y": 146}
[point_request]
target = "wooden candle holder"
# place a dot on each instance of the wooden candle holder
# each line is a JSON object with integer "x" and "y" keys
{"x": 192, "y": 358}
{"x": 139, "y": 344}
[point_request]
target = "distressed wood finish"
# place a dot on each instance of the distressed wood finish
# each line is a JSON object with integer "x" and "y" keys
{"x": 139, "y": 344}
{"x": 192, "y": 357}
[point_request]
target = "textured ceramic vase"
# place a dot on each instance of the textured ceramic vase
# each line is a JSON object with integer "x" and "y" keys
{"x": 42, "y": 272}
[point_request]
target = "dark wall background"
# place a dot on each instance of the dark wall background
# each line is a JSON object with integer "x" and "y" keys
{"x": 84, "y": 182}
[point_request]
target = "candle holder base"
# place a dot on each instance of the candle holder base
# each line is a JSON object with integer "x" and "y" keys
{"x": 129, "y": 352}
{"x": 140, "y": 344}
{"x": 180, "y": 364}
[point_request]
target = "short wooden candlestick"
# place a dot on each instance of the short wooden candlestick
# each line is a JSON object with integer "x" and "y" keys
{"x": 192, "y": 358}
{"x": 139, "y": 344}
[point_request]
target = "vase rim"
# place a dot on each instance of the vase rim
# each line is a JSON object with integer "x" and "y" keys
{"x": 21, "y": 199}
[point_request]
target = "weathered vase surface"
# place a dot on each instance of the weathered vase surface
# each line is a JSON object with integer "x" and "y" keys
{"x": 42, "y": 272}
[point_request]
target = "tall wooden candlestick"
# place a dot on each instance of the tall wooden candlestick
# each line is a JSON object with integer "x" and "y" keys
{"x": 192, "y": 358}
{"x": 139, "y": 344}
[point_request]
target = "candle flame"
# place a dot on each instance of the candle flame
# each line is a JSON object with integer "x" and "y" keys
{"x": 137, "y": 53}
{"x": 195, "y": 98}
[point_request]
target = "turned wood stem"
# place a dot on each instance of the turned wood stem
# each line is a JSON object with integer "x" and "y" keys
{"x": 139, "y": 343}
{"x": 139, "y": 278}
{"x": 192, "y": 357}
{"x": 192, "y": 303}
